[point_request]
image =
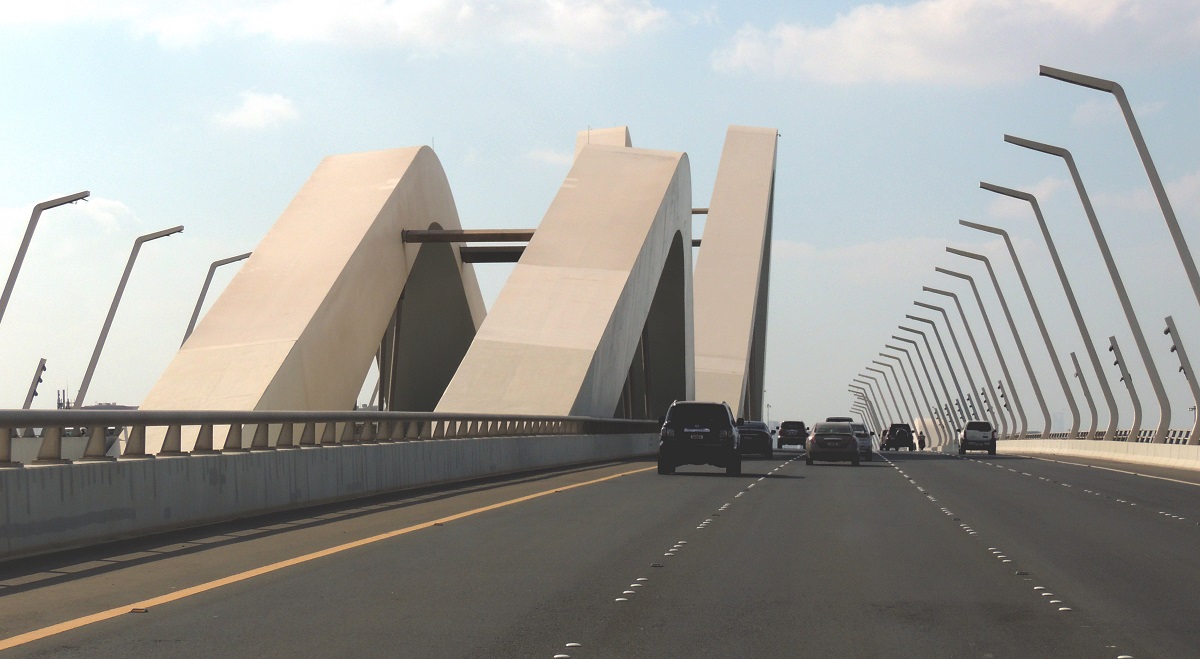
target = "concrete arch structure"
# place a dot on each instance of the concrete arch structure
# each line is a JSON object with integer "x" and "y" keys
{"x": 300, "y": 324}
{"x": 596, "y": 317}
{"x": 733, "y": 272}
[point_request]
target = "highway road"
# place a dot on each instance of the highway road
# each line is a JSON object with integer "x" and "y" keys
{"x": 914, "y": 554}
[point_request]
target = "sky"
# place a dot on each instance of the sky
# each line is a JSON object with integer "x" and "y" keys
{"x": 212, "y": 114}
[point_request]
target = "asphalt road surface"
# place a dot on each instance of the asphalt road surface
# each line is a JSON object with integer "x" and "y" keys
{"x": 910, "y": 555}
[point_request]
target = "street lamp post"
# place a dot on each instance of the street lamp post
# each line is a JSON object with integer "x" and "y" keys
{"x": 957, "y": 347}
{"x": 862, "y": 380}
{"x": 1139, "y": 338}
{"x": 917, "y": 377}
{"x": 987, "y": 323}
{"x": 891, "y": 392}
{"x": 911, "y": 391}
{"x": 862, "y": 392}
{"x": 1136, "y": 429}
{"x": 33, "y": 220}
{"x": 1185, "y": 366}
{"x": 1087, "y": 395}
{"x": 1109, "y": 400}
{"x": 1037, "y": 316}
{"x": 987, "y": 377}
{"x": 936, "y": 369}
{"x": 949, "y": 365}
{"x": 204, "y": 291}
{"x": 1037, "y": 389}
{"x": 1160, "y": 191}
{"x": 911, "y": 417}
{"x": 112, "y": 310}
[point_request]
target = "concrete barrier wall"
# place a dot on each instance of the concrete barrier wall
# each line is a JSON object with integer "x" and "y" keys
{"x": 47, "y": 508}
{"x": 1168, "y": 455}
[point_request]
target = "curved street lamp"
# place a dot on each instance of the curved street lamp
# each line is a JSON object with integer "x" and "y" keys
{"x": 112, "y": 310}
{"x": 1037, "y": 316}
{"x": 911, "y": 417}
{"x": 987, "y": 377}
{"x": 937, "y": 426}
{"x": 936, "y": 369}
{"x": 1160, "y": 191}
{"x": 1185, "y": 367}
{"x": 886, "y": 417}
{"x": 960, "y": 401}
{"x": 1136, "y": 429}
{"x": 1037, "y": 389}
{"x": 204, "y": 291}
{"x": 33, "y": 220}
{"x": 913, "y": 392}
{"x": 958, "y": 349}
{"x": 891, "y": 392}
{"x": 1090, "y": 345}
{"x": 987, "y": 323}
{"x": 1139, "y": 338}
{"x": 1087, "y": 395}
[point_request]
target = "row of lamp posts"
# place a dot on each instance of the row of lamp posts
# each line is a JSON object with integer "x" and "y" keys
{"x": 38, "y": 209}
{"x": 868, "y": 393}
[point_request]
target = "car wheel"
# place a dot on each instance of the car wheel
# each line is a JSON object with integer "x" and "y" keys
{"x": 665, "y": 467}
{"x": 734, "y": 468}
{"x": 870, "y": 457}
{"x": 854, "y": 462}
{"x": 770, "y": 454}
{"x": 808, "y": 459}
{"x": 992, "y": 450}
{"x": 962, "y": 451}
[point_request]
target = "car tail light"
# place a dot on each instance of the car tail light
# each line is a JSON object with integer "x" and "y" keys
{"x": 668, "y": 432}
{"x": 725, "y": 434}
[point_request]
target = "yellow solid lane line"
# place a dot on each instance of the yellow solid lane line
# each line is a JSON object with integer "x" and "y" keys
{"x": 61, "y": 627}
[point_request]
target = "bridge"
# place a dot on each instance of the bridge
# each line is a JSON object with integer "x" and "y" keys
{"x": 500, "y": 498}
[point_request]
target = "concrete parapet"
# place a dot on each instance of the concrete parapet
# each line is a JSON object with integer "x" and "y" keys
{"x": 58, "y": 507}
{"x": 1166, "y": 455}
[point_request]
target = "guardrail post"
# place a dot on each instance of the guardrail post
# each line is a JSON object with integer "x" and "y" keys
{"x": 233, "y": 441}
{"x": 135, "y": 448}
{"x": 6, "y": 461}
{"x": 173, "y": 442}
{"x": 348, "y": 433}
{"x": 95, "y": 451}
{"x": 329, "y": 436}
{"x": 204, "y": 441}
{"x": 368, "y": 434}
{"x": 284, "y": 440}
{"x": 261, "y": 441}
{"x": 50, "y": 452}
{"x": 308, "y": 436}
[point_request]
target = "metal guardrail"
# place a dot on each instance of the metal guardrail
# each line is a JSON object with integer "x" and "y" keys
{"x": 1143, "y": 436}
{"x": 291, "y": 429}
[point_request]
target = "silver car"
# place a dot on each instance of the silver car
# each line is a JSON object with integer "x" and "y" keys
{"x": 866, "y": 441}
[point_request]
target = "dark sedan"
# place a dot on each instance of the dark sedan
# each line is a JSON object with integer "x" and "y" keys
{"x": 756, "y": 438}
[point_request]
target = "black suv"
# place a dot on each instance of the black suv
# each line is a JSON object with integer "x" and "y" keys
{"x": 792, "y": 432}
{"x": 696, "y": 433}
{"x": 898, "y": 436}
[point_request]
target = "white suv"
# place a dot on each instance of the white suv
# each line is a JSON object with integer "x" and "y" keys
{"x": 977, "y": 435}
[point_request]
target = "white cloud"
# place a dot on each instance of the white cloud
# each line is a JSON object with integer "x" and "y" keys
{"x": 966, "y": 41}
{"x": 551, "y": 157}
{"x": 425, "y": 25}
{"x": 258, "y": 111}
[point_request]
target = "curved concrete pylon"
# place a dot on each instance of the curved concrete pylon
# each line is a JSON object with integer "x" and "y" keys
{"x": 732, "y": 273}
{"x": 299, "y": 325}
{"x": 596, "y": 317}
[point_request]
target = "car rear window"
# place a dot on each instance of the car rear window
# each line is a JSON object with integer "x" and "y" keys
{"x": 832, "y": 429}
{"x": 789, "y": 425}
{"x": 979, "y": 425}
{"x": 700, "y": 413}
{"x": 859, "y": 428}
